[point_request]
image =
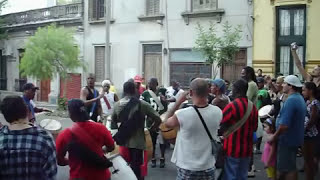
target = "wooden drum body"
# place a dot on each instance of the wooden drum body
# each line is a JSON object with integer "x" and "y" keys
{"x": 169, "y": 134}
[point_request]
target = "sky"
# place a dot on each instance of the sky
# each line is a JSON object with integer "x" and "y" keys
{"x": 24, "y": 5}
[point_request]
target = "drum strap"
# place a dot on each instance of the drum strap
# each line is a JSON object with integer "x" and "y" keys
{"x": 78, "y": 131}
{"x": 239, "y": 123}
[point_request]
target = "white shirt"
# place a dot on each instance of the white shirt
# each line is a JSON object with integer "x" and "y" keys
{"x": 193, "y": 149}
{"x": 110, "y": 98}
{"x": 169, "y": 94}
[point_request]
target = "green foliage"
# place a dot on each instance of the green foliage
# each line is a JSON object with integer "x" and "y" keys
{"x": 218, "y": 50}
{"x": 62, "y": 103}
{"x": 50, "y": 51}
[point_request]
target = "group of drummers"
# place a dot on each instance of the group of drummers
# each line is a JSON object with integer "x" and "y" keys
{"x": 116, "y": 138}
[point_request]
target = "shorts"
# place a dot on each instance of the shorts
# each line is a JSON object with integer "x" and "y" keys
{"x": 271, "y": 172}
{"x": 286, "y": 158}
{"x": 184, "y": 174}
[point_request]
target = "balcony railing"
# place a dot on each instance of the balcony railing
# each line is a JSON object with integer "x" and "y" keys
{"x": 55, "y": 13}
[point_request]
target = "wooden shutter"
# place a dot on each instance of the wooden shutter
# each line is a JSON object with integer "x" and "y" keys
{"x": 152, "y": 7}
{"x": 99, "y": 63}
{"x": 201, "y": 5}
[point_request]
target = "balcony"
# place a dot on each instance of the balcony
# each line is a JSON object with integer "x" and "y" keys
{"x": 70, "y": 13}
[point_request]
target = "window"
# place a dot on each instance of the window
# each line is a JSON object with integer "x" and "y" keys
{"x": 96, "y": 9}
{"x": 99, "y": 66}
{"x": 291, "y": 27}
{"x": 22, "y": 79}
{"x": 203, "y": 5}
{"x": 186, "y": 64}
{"x": 3, "y": 72}
{"x": 152, "y": 7}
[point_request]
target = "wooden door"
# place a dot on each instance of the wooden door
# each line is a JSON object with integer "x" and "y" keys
{"x": 44, "y": 90}
{"x": 233, "y": 71}
{"x": 153, "y": 62}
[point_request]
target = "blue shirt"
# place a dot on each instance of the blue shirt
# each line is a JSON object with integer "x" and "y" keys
{"x": 30, "y": 106}
{"x": 292, "y": 114}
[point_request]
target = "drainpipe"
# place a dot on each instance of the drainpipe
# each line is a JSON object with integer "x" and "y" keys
{"x": 107, "y": 48}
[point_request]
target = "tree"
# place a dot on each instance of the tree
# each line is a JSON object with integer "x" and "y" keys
{"x": 49, "y": 52}
{"x": 218, "y": 50}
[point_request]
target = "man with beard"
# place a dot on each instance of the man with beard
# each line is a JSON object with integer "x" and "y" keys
{"x": 91, "y": 98}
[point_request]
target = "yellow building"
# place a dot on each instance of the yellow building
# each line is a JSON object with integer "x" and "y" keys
{"x": 278, "y": 23}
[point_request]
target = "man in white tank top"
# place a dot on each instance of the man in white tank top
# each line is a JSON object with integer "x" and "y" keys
{"x": 193, "y": 151}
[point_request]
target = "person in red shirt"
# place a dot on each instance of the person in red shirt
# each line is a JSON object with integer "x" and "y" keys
{"x": 138, "y": 82}
{"x": 89, "y": 131}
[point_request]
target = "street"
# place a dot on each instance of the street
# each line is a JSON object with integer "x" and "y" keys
{"x": 167, "y": 173}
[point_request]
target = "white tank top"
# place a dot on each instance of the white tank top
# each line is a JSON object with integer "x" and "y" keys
{"x": 193, "y": 147}
{"x": 110, "y": 98}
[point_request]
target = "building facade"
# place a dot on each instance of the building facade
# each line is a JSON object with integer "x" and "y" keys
{"x": 278, "y": 23}
{"x": 152, "y": 38}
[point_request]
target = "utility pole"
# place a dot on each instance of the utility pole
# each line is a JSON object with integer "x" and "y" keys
{"x": 107, "y": 46}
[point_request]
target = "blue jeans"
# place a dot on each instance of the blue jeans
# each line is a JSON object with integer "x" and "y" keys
{"x": 236, "y": 168}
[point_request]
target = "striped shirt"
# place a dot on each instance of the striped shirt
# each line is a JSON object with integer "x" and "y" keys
{"x": 239, "y": 144}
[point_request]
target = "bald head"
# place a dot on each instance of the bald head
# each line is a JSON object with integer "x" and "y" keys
{"x": 199, "y": 87}
{"x": 90, "y": 80}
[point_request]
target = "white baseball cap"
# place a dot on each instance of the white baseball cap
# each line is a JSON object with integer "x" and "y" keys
{"x": 293, "y": 81}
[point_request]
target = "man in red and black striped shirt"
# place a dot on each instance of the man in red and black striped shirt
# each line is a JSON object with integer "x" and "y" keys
{"x": 238, "y": 146}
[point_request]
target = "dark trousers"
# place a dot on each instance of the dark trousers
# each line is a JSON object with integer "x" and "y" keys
{"x": 154, "y": 136}
{"x": 136, "y": 157}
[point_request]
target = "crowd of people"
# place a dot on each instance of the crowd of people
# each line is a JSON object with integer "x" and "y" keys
{"x": 219, "y": 127}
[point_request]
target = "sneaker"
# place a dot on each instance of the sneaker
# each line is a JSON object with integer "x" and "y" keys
{"x": 251, "y": 174}
{"x": 162, "y": 163}
{"x": 153, "y": 163}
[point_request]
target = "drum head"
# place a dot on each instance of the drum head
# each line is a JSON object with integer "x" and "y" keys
{"x": 50, "y": 125}
{"x": 264, "y": 111}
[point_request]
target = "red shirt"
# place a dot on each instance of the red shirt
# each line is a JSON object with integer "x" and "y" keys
{"x": 78, "y": 169}
{"x": 239, "y": 144}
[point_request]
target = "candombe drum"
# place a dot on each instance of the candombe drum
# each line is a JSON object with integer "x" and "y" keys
{"x": 51, "y": 125}
{"x": 120, "y": 169}
{"x": 168, "y": 134}
{"x": 149, "y": 147}
{"x": 265, "y": 111}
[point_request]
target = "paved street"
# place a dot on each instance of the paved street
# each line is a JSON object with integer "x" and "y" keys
{"x": 167, "y": 173}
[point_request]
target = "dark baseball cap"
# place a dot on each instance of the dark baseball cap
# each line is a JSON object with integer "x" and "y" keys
{"x": 260, "y": 80}
{"x": 28, "y": 86}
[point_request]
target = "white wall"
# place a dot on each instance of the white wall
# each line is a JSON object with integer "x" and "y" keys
{"x": 127, "y": 33}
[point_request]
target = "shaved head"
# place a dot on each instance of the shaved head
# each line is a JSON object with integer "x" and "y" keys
{"x": 199, "y": 87}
